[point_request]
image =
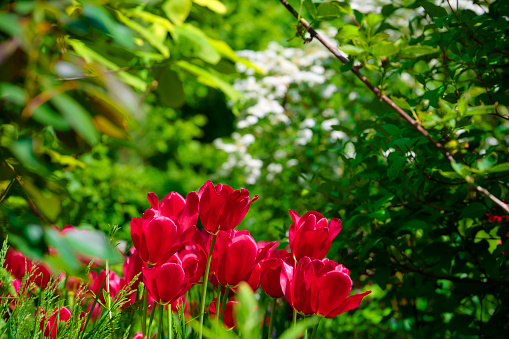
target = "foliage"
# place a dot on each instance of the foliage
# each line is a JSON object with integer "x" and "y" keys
{"x": 415, "y": 223}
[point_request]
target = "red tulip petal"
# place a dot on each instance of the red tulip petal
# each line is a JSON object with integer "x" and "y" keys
{"x": 241, "y": 257}
{"x": 286, "y": 279}
{"x": 136, "y": 231}
{"x": 333, "y": 288}
{"x": 153, "y": 199}
{"x": 293, "y": 227}
{"x": 169, "y": 282}
{"x": 172, "y": 205}
{"x": 335, "y": 226}
{"x": 189, "y": 215}
{"x": 350, "y": 303}
{"x": 160, "y": 237}
{"x": 210, "y": 208}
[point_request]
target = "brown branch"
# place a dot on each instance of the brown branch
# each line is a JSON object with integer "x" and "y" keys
{"x": 385, "y": 98}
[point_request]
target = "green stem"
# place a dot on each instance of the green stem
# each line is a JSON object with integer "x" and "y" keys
{"x": 218, "y": 304}
{"x": 161, "y": 308}
{"x": 272, "y": 311}
{"x": 305, "y": 336}
{"x": 183, "y": 316}
{"x": 315, "y": 329}
{"x": 294, "y": 321}
{"x": 225, "y": 300}
{"x": 170, "y": 324}
{"x": 205, "y": 282}
{"x": 144, "y": 313}
{"x": 151, "y": 319}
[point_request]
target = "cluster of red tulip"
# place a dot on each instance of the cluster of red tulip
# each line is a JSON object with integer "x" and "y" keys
{"x": 170, "y": 255}
{"x": 175, "y": 253}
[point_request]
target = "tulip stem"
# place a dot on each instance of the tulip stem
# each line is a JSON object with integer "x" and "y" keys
{"x": 170, "y": 324}
{"x": 272, "y": 317}
{"x": 160, "y": 334}
{"x": 294, "y": 321}
{"x": 205, "y": 282}
{"x": 225, "y": 299}
{"x": 144, "y": 313}
{"x": 315, "y": 329}
{"x": 218, "y": 304}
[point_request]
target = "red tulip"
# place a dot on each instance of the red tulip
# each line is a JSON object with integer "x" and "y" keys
{"x": 168, "y": 282}
{"x": 271, "y": 272}
{"x": 158, "y": 235}
{"x": 174, "y": 205}
{"x": 228, "y": 320}
{"x": 222, "y": 208}
{"x": 311, "y": 235}
{"x": 139, "y": 335}
{"x": 96, "y": 281}
{"x": 16, "y": 262}
{"x": 196, "y": 251}
{"x": 50, "y": 326}
{"x": 132, "y": 267}
{"x": 317, "y": 286}
{"x": 234, "y": 257}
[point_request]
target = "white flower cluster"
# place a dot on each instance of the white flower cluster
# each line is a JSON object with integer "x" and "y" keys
{"x": 289, "y": 73}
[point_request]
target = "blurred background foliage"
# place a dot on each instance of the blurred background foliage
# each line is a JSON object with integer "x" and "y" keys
{"x": 104, "y": 101}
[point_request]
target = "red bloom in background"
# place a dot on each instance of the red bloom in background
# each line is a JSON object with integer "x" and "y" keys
{"x": 319, "y": 287}
{"x": 271, "y": 272}
{"x": 222, "y": 208}
{"x": 236, "y": 258}
{"x": 96, "y": 281}
{"x": 59, "y": 314}
{"x": 16, "y": 262}
{"x": 228, "y": 320}
{"x": 196, "y": 251}
{"x": 311, "y": 235}
{"x": 168, "y": 282}
{"x": 158, "y": 235}
{"x": 132, "y": 267}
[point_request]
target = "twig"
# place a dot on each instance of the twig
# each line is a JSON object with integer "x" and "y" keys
{"x": 385, "y": 98}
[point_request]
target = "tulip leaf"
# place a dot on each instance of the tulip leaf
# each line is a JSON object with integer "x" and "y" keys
{"x": 299, "y": 328}
{"x": 247, "y": 313}
{"x": 92, "y": 243}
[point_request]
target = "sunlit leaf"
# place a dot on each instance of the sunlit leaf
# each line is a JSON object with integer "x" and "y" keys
{"x": 177, "y": 10}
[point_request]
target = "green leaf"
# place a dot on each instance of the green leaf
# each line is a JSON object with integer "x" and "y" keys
{"x": 384, "y": 49}
{"x": 226, "y": 51}
{"x": 92, "y": 56}
{"x": 77, "y": 117}
{"x": 499, "y": 168}
{"x": 293, "y": 332}
{"x": 402, "y": 103}
{"x": 170, "y": 90}
{"x": 433, "y": 10}
{"x": 487, "y": 162}
{"x": 66, "y": 258}
{"x": 328, "y": 11}
{"x": 372, "y": 20}
{"x": 311, "y": 7}
{"x": 47, "y": 116}
{"x": 177, "y": 10}
{"x": 479, "y": 110}
{"x": 47, "y": 202}
{"x": 382, "y": 275}
{"x": 474, "y": 210}
{"x": 12, "y": 93}
{"x": 392, "y": 129}
{"x": 146, "y": 34}
{"x": 24, "y": 152}
{"x": 93, "y": 243}
{"x": 210, "y": 79}
{"x": 395, "y": 166}
{"x": 413, "y": 51}
{"x": 461, "y": 169}
{"x": 10, "y": 24}
{"x": 348, "y": 31}
{"x": 213, "y": 5}
{"x": 351, "y": 49}
{"x": 196, "y": 43}
{"x": 381, "y": 214}
{"x": 99, "y": 16}
{"x": 247, "y": 313}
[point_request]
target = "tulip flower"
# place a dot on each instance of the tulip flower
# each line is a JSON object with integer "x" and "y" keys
{"x": 271, "y": 272}
{"x": 168, "y": 282}
{"x": 132, "y": 267}
{"x": 174, "y": 205}
{"x": 139, "y": 335}
{"x": 96, "y": 281}
{"x": 317, "y": 286}
{"x": 196, "y": 251}
{"x": 222, "y": 208}
{"x": 311, "y": 235}
{"x": 157, "y": 237}
{"x": 235, "y": 256}
{"x": 228, "y": 320}
{"x": 50, "y": 326}
{"x": 16, "y": 262}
